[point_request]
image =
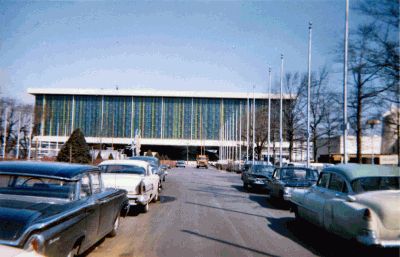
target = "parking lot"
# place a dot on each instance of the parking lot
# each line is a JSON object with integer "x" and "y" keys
{"x": 207, "y": 213}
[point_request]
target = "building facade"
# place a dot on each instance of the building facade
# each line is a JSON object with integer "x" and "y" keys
{"x": 176, "y": 118}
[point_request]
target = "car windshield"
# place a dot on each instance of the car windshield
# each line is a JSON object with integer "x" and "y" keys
{"x": 375, "y": 183}
{"x": 294, "y": 173}
{"x": 262, "y": 169}
{"x": 37, "y": 186}
{"x": 124, "y": 169}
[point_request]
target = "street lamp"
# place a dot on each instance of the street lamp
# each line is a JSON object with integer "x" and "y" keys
{"x": 372, "y": 123}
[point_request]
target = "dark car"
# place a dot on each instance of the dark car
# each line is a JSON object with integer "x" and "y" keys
{"x": 257, "y": 176}
{"x": 57, "y": 209}
{"x": 286, "y": 179}
{"x": 155, "y": 164}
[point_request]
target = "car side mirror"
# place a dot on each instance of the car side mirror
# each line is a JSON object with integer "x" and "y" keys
{"x": 350, "y": 198}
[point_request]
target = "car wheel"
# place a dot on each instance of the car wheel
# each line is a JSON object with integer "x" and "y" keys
{"x": 145, "y": 208}
{"x": 115, "y": 228}
{"x": 245, "y": 186}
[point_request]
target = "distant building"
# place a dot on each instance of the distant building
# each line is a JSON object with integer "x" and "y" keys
{"x": 332, "y": 149}
{"x": 390, "y": 137}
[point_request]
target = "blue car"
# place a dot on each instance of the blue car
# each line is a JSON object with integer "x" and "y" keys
{"x": 57, "y": 209}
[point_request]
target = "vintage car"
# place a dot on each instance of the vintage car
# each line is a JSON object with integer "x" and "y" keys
{"x": 354, "y": 201}
{"x": 163, "y": 172}
{"x": 180, "y": 163}
{"x": 56, "y": 209}
{"x": 257, "y": 176}
{"x": 155, "y": 165}
{"x": 136, "y": 177}
{"x": 285, "y": 180}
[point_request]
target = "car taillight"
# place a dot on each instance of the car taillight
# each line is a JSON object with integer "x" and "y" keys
{"x": 35, "y": 243}
{"x": 367, "y": 215}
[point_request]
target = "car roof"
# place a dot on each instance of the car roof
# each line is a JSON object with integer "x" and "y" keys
{"x": 46, "y": 169}
{"x": 354, "y": 171}
{"x": 139, "y": 163}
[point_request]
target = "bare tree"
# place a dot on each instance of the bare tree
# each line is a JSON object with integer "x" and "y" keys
{"x": 294, "y": 110}
{"x": 15, "y": 111}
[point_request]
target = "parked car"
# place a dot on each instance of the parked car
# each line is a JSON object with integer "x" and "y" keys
{"x": 57, "y": 209}
{"x": 136, "y": 177}
{"x": 257, "y": 176}
{"x": 163, "y": 172}
{"x": 354, "y": 201}
{"x": 180, "y": 164}
{"x": 285, "y": 180}
{"x": 155, "y": 165}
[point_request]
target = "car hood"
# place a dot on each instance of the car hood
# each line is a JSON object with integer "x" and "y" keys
{"x": 297, "y": 183}
{"x": 128, "y": 182}
{"x": 16, "y": 216}
{"x": 386, "y": 204}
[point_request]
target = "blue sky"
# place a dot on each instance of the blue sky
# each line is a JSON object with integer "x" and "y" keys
{"x": 185, "y": 45}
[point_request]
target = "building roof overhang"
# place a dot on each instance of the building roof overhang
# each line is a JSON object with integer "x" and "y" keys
{"x": 154, "y": 93}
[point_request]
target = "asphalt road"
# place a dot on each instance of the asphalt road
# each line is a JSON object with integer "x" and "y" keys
{"x": 207, "y": 213}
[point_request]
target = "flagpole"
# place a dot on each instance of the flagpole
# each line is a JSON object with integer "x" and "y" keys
{"x": 269, "y": 114}
{"x": 345, "y": 124}
{"x": 280, "y": 115}
{"x": 248, "y": 124}
{"x": 254, "y": 122}
{"x": 309, "y": 93}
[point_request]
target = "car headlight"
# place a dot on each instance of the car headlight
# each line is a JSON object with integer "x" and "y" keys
{"x": 35, "y": 243}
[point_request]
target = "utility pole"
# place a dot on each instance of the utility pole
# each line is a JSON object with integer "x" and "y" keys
{"x": 269, "y": 113}
{"x": 309, "y": 93}
{"x": 280, "y": 115}
{"x": 345, "y": 124}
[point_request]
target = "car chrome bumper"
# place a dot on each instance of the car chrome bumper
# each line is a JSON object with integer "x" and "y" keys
{"x": 137, "y": 199}
{"x": 370, "y": 240}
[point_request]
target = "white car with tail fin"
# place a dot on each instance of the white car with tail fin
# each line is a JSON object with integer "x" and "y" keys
{"x": 136, "y": 177}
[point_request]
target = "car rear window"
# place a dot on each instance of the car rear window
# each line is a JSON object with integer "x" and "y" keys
{"x": 375, "y": 183}
{"x": 123, "y": 169}
{"x": 37, "y": 186}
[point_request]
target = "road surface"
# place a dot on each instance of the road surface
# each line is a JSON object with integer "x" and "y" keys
{"x": 207, "y": 213}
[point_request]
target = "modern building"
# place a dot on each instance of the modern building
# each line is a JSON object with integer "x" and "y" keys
{"x": 163, "y": 118}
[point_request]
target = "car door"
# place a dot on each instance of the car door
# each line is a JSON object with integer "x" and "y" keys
{"x": 154, "y": 181}
{"x": 275, "y": 183}
{"x": 314, "y": 200}
{"x": 105, "y": 200}
{"x": 148, "y": 182}
{"x": 335, "y": 217}
{"x": 92, "y": 211}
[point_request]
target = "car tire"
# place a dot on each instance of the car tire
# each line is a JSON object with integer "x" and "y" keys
{"x": 145, "y": 208}
{"x": 115, "y": 228}
{"x": 245, "y": 186}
